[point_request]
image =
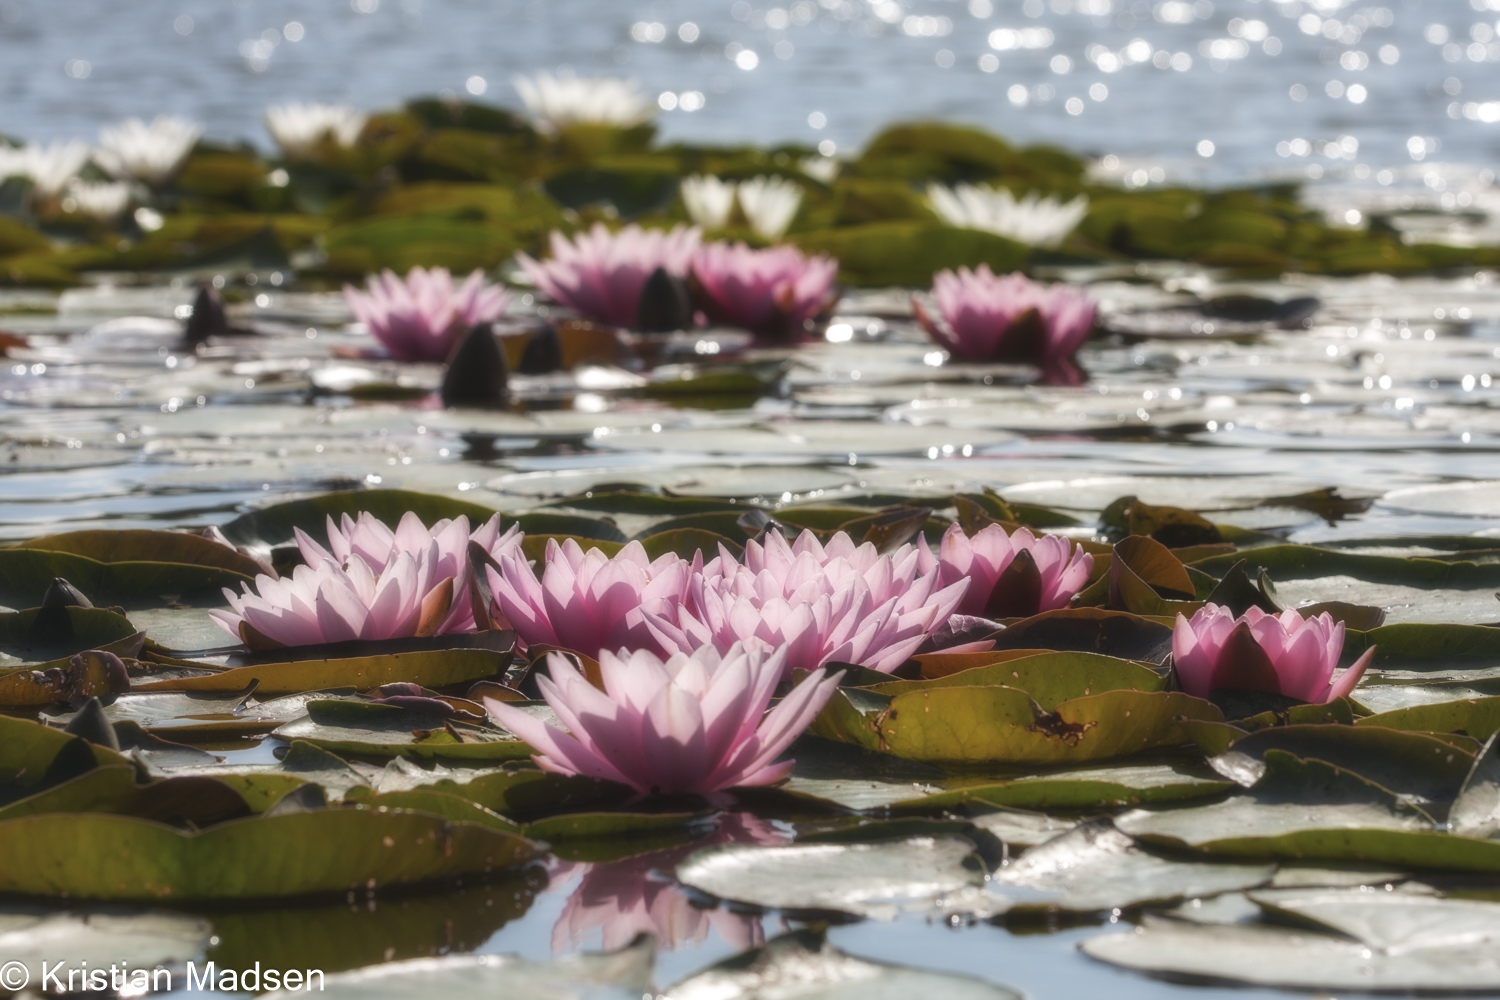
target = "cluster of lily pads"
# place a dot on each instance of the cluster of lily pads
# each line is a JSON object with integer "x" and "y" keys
{"x": 1031, "y": 715}
{"x": 465, "y": 185}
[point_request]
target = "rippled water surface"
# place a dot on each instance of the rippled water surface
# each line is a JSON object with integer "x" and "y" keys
{"x": 1385, "y": 85}
{"x": 1389, "y": 395}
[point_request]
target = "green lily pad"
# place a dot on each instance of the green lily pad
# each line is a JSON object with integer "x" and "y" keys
{"x": 47, "y": 637}
{"x": 270, "y": 526}
{"x": 334, "y": 936}
{"x": 328, "y": 850}
{"x": 1050, "y": 678}
{"x": 25, "y": 574}
{"x": 450, "y": 659}
{"x": 1476, "y": 809}
{"x": 871, "y": 880}
{"x": 34, "y": 757}
{"x": 1091, "y": 630}
{"x": 1385, "y": 942}
{"x": 1476, "y": 717}
{"x": 387, "y": 732}
{"x": 822, "y": 972}
{"x": 1085, "y": 789}
{"x": 1413, "y": 764}
{"x": 1096, "y": 867}
{"x": 1308, "y": 810}
{"x": 1004, "y": 725}
{"x": 1298, "y": 562}
{"x": 611, "y": 976}
{"x": 201, "y": 800}
{"x": 142, "y": 941}
{"x": 1427, "y": 647}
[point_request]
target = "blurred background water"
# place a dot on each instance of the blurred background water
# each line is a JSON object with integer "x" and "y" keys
{"x": 1217, "y": 90}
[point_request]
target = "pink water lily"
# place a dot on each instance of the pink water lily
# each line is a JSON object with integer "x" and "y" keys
{"x": 1059, "y": 569}
{"x": 772, "y": 292}
{"x": 1010, "y": 318}
{"x": 694, "y": 723}
{"x": 372, "y": 541}
{"x": 600, "y": 274}
{"x": 586, "y": 601}
{"x": 1281, "y": 654}
{"x": 370, "y": 583}
{"x": 840, "y": 602}
{"x": 422, "y": 317}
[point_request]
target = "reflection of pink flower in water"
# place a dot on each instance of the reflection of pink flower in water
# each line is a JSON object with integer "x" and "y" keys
{"x": 624, "y": 898}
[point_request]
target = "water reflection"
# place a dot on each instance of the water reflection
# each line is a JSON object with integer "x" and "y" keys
{"x": 619, "y": 899}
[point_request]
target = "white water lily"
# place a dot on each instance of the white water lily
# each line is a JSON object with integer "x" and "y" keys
{"x": 770, "y": 204}
{"x": 820, "y": 168}
{"x": 298, "y": 127}
{"x": 555, "y": 102}
{"x": 149, "y": 153}
{"x": 1035, "y": 221}
{"x": 103, "y": 201}
{"x": 49, "y": 167}
{"x": 708, "y": 200}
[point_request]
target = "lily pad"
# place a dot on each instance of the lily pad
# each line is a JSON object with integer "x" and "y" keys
{"x": 1096, "y": 867}
{"x": 1005, "y": 725}
{"x": 617, "y": 975}
{"x": 1378, "y": 942}
{"x": 872, "y": 880}
{"x": 46, "y": 637}
{"x": 1085, "y": 789}
{"x": 804, "y": 965}
{"x": 450, "y": 659}
{"x": 1308, "y": 810}
{"x": 144, "y": 940}
{"x": 328, "y": 850}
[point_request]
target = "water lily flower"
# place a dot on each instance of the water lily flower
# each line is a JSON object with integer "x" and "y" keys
{"x": 1059, "y": 569}
{"x": 820, "y": 168}
{"x": 694, "y": 723}
{"x": 370, "y": 583}
{"x": 983, "y": 317}
{"x": 769, "y": 204}
{"x": 105, "y": 201}
{"x": 1281, "y": 654}
{"x": 298, "y": 128}
{"x": 709, "y": 201}
{"x": 822, "y": 603}
{"x": 586, "y": 601}
{"x": 773, "y": 290}
{"x": 49, "y": 167}
{"x": 368, "y": 538}
{"x": 1035, "y": 221}
{"x": 555, "y": 102}
{"x": 423, "y": 317}
{"x": 601, "y": 274}
{"x": 151, "y": 153}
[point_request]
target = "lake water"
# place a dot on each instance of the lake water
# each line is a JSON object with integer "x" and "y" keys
{"x": 1397, "y": 87}
{"x": 1391, "y": 395}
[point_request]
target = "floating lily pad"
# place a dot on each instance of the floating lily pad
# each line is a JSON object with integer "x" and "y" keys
{"x": 1104, "y": 786}
{"x": 1376, "y": 942}
{"x": 822, "y": 972}
{"x": 329, "y": 850}
{"x": 450, "y": 659}
{"x": 1096, "y": 867}
{"x": 144, "y": 940}
{"x": 1050, "y": 678}
{"x": 872, "y": 880}
{"x": 25, "y": 574}
{"x": 45, "y": 637}
{"x": 1004, "y": 725}
{"x": 1307, "y": 810}
{"x": 621, "y": 974}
